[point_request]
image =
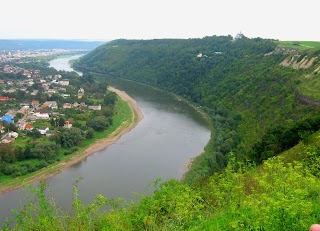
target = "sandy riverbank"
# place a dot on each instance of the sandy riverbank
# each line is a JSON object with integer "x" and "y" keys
{"x": 97, "y": 146}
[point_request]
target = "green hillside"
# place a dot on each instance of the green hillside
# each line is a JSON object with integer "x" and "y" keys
{"x": 245, "y": 91}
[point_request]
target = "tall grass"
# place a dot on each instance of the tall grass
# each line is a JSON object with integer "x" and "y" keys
{"x": 276, "y": 196}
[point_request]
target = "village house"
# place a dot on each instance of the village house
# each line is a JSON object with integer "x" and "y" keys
{"x": 34, "y": 92}
{"x": 51, "y": 91}
{"x": 45, "y": 87}
{"x": 13, "y": 135}
{"x": 7, "y": 140}
{"x": 50, "y": 104}
{"x": 96, "y": 108}
{"x": 67, "y": 105}
{"x": 11, "y": 90}
{"x": 32, "y": 118}
{"x": 42, "y": 114}
{"x": 24, "y": 109}
{"x": 25, "y": 103}
{"x": 28, "y": 127}
{"x": 7, "y": 118}
{"x": 56, "y": 77}
{"x": 68, "y": 124}
{"x": 64, "y": 82}
{"x": 80, "y": 93}
{"x": 35, "y": 103}
{"x": 64, "y": 95}
{"x": 43, "y": 130}
{"x": 11, "y": 113}
{"x": 50, "y": 133}
{"x": 5, "y": 98}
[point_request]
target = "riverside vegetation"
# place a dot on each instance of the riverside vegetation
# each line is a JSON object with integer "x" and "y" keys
{"x": 259, "y": 171}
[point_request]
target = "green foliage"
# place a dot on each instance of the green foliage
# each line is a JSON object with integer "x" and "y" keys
{"x": 310, "y": 86}
{"x": 172, "y": 201}
{"x": 34, "y": 133}
{"x": 37, "y": 214}
{"x": 110, "y": 98}
{"x": 71, "y": 137}
{"x": 98, "y": 123}
{"x": 45, "y": 150}
{"x": 90, "y": 133}
{"x": 280, "y": 137}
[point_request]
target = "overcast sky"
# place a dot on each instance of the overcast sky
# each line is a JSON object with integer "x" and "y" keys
{"x": 147, "y": 19}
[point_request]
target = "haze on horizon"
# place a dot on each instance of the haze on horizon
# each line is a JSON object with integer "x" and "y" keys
{"x": 143, "y": 19}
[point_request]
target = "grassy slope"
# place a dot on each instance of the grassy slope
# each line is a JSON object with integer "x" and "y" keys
{"x": 122, "y": 118}
{"x": 310, "y": 85}
{"x": 304, "y": 45}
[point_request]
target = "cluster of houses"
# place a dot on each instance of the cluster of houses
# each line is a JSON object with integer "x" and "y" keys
{"x": 33, "y": 111}
{"x": 9, "y": 136}
{"x": 17, "y": 55}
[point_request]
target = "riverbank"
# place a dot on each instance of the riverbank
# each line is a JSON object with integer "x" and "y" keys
{"x": 98, "y": 145}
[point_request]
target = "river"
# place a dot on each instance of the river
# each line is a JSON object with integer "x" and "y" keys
{"x": 168, "y": 137}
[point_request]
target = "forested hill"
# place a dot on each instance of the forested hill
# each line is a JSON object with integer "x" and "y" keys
{"x": 251, "y": 98}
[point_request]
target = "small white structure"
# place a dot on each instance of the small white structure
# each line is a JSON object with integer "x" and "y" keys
{"x": 96, "y": 108}
{"x": 64, "y": 82}
{"x": 43, "y": 130}
{"x": 68, "y": 124}
{"x": 13, "y": 135}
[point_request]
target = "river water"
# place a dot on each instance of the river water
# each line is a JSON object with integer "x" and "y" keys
{"x": 167, "y": 138}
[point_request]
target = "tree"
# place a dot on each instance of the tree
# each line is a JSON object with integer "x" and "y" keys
{"x": 34, "y": 134}
{"x": 8, "y": 154}
{"x": 90, "y": 133}
{"x": 98, "y": 123}
{"x": 110, "y": 98}
{"x": 61, "y": 122}
{"x": 71, "y": 137}
{"x": 53, "y": 122}
{"x": 45, "y": 150}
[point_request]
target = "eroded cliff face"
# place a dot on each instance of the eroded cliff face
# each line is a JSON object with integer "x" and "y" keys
{"x": 306, "y": 62}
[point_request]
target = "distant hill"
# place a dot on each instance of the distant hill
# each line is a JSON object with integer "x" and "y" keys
{"x": 32, "y": 44}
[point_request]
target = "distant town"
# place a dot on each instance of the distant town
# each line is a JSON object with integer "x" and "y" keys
{"x": 34, "y": 100}
{"x": 21, "y": 56}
